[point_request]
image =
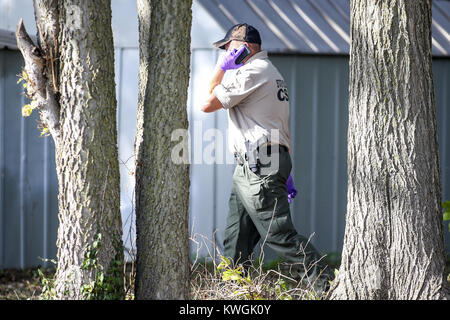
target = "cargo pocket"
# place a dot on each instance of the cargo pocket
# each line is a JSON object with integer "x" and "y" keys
{"x": 256, "y": 193}
{"x": 284, "y": 223}
{"x": 276, "y": 223}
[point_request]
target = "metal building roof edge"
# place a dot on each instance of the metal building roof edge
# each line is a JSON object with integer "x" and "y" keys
{"x": 8, "y": 40}
{"x": 326, "y": 40}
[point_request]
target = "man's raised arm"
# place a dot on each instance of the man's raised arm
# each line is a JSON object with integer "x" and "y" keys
{"x": 226, "y": 62}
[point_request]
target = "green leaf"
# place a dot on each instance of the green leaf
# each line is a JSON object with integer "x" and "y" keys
{"x": 231, "y": 275}
{"x": 248, "y": 280}
{"x": 221, "y": 266}
{"x": 224, "y": 264}
{"x": 101, "y": 277}
{"x": 45, "y": 132}
{"x": 446, "y": 215}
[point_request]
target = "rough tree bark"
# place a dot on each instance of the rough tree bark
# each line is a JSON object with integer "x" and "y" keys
{"x": 393, "y": 245}
{"x": 162, "y": 186}
{"x": 71, "y": 76}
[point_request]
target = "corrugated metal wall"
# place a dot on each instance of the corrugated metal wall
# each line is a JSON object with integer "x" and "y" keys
{"x": 28, "y": 188}
{"x": 318, "y": 90}
{"x": 28, "y": 183}
{"x": 441, "y": 74}
{"x": 210, "y": 183}
{"x": 318, "y": 87}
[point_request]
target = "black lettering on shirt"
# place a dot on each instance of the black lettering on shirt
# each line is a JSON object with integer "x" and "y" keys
{"x": 282, "y": 93}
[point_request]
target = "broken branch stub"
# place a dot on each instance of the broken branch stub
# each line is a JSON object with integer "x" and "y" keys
{"x": 39, "y": 88}
{"x": 34, "y": 62}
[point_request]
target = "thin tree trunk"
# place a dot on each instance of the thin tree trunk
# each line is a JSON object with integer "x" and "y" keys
{"x": 393, "y": 245}
{"x": 162, "y": 186}
{"x": 77, "y": 54}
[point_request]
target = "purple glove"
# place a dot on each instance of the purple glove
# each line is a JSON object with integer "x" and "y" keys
{"x": 228, "y": 60}
{"x": 292, "y": 192}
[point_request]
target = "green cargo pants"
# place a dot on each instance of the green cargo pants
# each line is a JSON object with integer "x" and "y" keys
{"x": 259, "y": 208}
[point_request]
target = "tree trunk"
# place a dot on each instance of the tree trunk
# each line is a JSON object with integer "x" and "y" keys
{"x": 162, "y": 186}
{"x": 76, "y": 45}
{"x": 393, "y": 245}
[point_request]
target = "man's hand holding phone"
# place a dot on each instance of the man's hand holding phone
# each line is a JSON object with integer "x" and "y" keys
{"x": 231, "y": 59}
{"x": 228, "y": 60}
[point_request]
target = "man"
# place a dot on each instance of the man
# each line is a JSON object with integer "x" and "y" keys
{"x": 257, "y": 101}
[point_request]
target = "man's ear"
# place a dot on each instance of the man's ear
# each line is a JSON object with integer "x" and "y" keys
{"x": 252, "y": 51}
{"x": 254, "y": 48}
{"x": 250, "y": 47}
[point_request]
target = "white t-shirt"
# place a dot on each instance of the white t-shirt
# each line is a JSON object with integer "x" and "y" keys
{"x": 257, "y": 101}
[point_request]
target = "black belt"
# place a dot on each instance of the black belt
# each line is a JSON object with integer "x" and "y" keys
{"x": 240, "y": 159}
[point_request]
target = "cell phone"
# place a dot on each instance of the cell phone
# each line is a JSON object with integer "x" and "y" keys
{"x": 243, "y": 55}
